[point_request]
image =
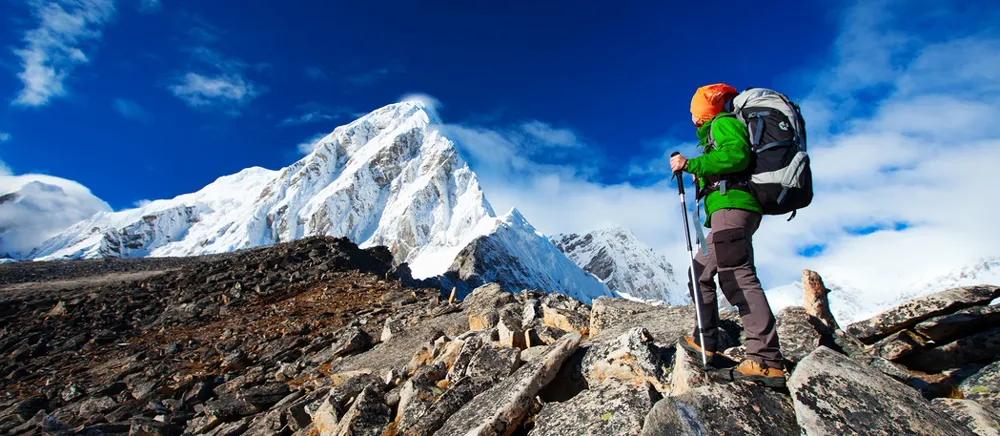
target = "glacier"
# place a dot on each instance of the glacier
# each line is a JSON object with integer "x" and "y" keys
{"x": 388, "y": 178}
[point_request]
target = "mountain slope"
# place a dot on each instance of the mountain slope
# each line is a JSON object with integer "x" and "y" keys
{"x": 624, "y": 264}
{"x": 389, "y": 178}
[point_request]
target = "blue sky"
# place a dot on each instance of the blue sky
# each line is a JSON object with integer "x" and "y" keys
{"x": 566, "y": 110}
{"x": 619, "y": 77}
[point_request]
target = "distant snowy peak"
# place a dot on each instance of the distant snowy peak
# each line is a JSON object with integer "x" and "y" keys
{"x": 624, "y": 264}
{"x": 34, "y": 208}
{"x": 389, "y": 178}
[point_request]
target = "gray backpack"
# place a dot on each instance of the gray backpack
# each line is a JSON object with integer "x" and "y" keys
{"x": 780, "y": 176}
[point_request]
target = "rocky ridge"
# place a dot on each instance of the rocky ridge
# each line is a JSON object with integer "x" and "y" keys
{"x": 318, "y": 336}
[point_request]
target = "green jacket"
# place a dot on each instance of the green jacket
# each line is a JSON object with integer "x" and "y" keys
{"x": 731, "y": 154}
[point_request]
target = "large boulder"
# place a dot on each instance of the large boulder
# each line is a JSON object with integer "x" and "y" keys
{"x": 565, "y": 319}
{"x": 367, "y": 416}
{"x": 483, "y": 304}
{"x": 914, "y": 311}
{"x": 501, "y": 407}
{"x": 632, "y": 359}
{"x": 984, "y": 386}
{"x": 836, "y": 395}
{"x": 696, "y": 405}
{"x": 798, "y": 333}
{"x": 982, "y": 347}
{"x": 608, "y": 312}
{"x": 980, "y": 419}
{"x": 610, "y": 409}
{"x": 948, "y": 327}
{"x": 899, "y": 345}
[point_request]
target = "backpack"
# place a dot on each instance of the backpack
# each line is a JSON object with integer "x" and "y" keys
{"x": 780, "y": 175}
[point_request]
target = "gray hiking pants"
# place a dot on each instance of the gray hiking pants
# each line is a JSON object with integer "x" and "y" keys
{"x": 730, "y": 255}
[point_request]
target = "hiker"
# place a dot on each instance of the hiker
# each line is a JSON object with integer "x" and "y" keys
{"x": 733, "y": 214}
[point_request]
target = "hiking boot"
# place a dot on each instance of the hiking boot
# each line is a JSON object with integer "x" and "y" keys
{"x": 689, "y": 344}
{"x": 753, "y": 371}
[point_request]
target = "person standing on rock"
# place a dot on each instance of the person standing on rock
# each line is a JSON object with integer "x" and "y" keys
{"x": 734, "y": 215}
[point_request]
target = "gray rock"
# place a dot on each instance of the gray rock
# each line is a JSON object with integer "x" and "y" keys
{"x": 797, "y": 332}
{"x": 559, "y": 300}
{"x": 836, "y": 395}
{"x": 97, "y": 406}
{"x": 232, "y": 428}
{"x": 450, "y": 402}
{"x": 980, "y": 419}
{"x": 565, "y": 319}
{"x": 352, "y": 340}
{"x": 914, "y": 311}
{"x": 531, "y": 353}
{"x": 149, "y": 427}
{"x": 542, "y": 335}
{"x": 610, "y": 409}
{"x": 367, "y": 416}
{"x": 723, "y": 408}
{"x": 964, "y": 322}
{"x": 482, "y": 305}
{"x": 392, "y": 326}
{"x": 236, "y": 361}
{"x": 982, "y": 347}
{"x": 898, "y": 345}
{"x": 608, "y": 312}
{"x": 497, "y": 410}
{"x": 532, "y": 312}
{"x": 631, "y": 358}
{"x": 418, "y": 393}
{"x": 494, "y": 362}
{"x": 510, "y": 329}
{"x": 984, "y": 386}
{"x": 470, "y": 347}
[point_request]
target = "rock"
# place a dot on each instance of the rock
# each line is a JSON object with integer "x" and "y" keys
{"x": 980, "y": 419}
{"x": 609, "y": 312}
{"x": 737, "y": 353}
{"x": 948, "y": 327}
{"x": 510, "y": 329}
{"x": 482, "y": 305}
{"x": 687, "y": 373}
{"x": 632, "y": 358}
{"x": 232, "y": 428}
{"x": 981, "y": 347}
{"x": 450, "y": 354}
{"x": 275, "y": 419}
{"x": 149, "y": 427}
{"x": 898, "y": 345}
{"x": 912, "y": 312}
{"x": 723, "y": 408}
{"x": 531, "y": 353}
{"x": 797, "y": 332}
{"x": 341, "y": 395}
{"x": 610, "y": 409}
{"x": 835, "y": 395}
{"x": 450, "y": 402}
{"x": 367, "y": 416}
{"x": 470, "y": 347}
{"x": 30, "y": 407}
{"x": 542, "y": 335}
{"x": 984, "y": 386}
{"x": 418, "y": 394}
{"x": 566, "y": 320}
{"x": 391, "y": 327}
{"x": 96, "y": 406}
{"x": 532, "y": 311}
{"x": 236, "y": 361}
{"x": 58, "y": 310}
{"x": 559, "y": 300}
{"x": 899, "y": 372}
{"x": 816, "y": 301}
{"x": 70, "y": 393}
{"x": 494, "y": 362}
{"x": 501, "y": 407}
{"x": 352, "y": 340}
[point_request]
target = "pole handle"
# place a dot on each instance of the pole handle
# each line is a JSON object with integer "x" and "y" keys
{"x": 679, "y": 176}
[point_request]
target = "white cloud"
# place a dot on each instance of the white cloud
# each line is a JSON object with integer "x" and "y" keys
{"x": 54, "y": 49}
{"x": 550, "y": 135}
{"x": 42, "y": 206}
{"x": 219, "y": 90}
{"x": 217, "y": 81}
{"x": 4, "y": 137}
{"x": 150, "y": 6}
{"x": 427, "y": 100}
{"x": 142, "y": 203}
{"x": 131, "y": 110}
{"x": 307, "y": 146}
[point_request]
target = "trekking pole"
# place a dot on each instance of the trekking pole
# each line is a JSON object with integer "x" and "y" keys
{"x": 694, "y": 281}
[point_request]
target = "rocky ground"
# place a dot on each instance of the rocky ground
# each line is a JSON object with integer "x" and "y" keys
{"x": 320, "y": 337}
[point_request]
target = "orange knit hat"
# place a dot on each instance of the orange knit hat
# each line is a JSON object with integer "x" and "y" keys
{"x": 709, "y": 100}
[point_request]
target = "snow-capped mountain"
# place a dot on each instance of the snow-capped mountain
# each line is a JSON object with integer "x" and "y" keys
{"x": 624, "y": 264}
{"x": 35, "y": 207}
{"x": 389, "y": 178}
